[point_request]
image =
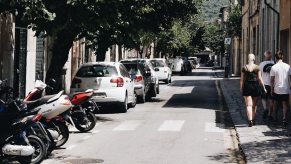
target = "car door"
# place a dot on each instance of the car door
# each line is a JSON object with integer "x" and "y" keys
{"x": 129, "y": 83}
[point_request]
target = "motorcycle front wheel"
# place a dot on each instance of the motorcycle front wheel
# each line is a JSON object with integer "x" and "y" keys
{"x": 39, "y": 154}
{"x": 85, "y": 123}
{"x": 63, "y": 131}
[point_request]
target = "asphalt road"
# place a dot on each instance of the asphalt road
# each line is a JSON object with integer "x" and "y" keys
{"x": 186, "y": 123}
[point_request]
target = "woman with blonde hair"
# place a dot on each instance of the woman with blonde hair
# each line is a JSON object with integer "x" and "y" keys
{"x": 251, "y": 85}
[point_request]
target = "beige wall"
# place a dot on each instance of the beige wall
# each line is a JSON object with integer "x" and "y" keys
{"x": 285, "y": 14}
{"x": 285, "y": 28}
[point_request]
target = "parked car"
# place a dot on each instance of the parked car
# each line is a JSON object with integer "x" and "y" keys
{"x": 110, "y": 81}
{"x": 142, "y": 79}
{"x": 176, "y": 64}
{"x": 180, "y": 65}
{"x": 194, "y": 62}
{"x": 163, "y": 71}
{"x": 154, "y": 87}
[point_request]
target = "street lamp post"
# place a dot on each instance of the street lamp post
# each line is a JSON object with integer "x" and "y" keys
{"x": 227, "y": 55}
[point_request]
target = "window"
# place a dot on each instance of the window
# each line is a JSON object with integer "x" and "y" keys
{"x": 96, "y": 71}
{"x": 157, "y": 63}
{"x": 123, "y": 71}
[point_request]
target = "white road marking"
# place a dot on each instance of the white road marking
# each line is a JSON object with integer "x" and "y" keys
{"x": 214, "y": 127}
{"x": 128, "y": 125}
{"x": 172, "y": 125}
{"x": 71, "y": 147}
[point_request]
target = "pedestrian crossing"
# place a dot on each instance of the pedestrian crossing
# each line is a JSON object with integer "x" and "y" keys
{"x": 163, "y": 126}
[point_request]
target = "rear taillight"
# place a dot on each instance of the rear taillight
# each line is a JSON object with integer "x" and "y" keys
{"x": 118, "y": 80}
{"x": 138, "y": 78}
{"x": 36, "y": 118}
{"x": 76, "y": 83}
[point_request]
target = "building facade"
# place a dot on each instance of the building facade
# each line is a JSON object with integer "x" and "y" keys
{"x": 285, "y": 27}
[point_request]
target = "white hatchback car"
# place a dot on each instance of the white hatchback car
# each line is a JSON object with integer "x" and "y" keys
{"x": 110, "y": 81}
{"x": 162, "y": 70}
{"x": 176, "y": 64}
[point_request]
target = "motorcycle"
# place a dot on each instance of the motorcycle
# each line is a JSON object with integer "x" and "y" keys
{"x": 51, "y": 107}
{"x": 15, "y": 142}
{"x": 81, "y": 115}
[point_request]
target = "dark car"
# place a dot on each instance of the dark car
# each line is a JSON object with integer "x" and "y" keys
{"x": 142, "y": 79}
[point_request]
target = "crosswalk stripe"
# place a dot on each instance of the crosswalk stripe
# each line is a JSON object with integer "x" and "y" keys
{"x": 128, "y": 125}
{"x": 172, "y": 125}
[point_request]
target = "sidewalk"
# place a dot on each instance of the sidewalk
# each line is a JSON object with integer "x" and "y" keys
{"x": 261, "y": 143}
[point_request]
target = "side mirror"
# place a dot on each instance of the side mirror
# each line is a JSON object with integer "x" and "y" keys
{"x": 157, "y": 69}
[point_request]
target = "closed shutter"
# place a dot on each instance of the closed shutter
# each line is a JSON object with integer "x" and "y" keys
{"x": 39, "y": 58}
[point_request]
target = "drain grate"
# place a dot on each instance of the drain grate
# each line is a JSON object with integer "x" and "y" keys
{"x": 83, "y": 161}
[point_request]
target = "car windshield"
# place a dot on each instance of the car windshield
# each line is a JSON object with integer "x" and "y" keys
{"x": 97, "y": 71}
{"x": 157, "y": 63}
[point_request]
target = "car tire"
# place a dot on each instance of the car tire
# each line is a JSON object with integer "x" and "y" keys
{"x": 168, "y": 80}
{"x": 124, "y": 105}
{"x": 133, "y": 103}
{"x": 141, "y": 98}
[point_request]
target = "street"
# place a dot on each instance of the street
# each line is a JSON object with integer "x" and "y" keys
{"x": 186, "y": 123}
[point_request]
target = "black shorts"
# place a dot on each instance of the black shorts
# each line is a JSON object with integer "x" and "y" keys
{"x": 267, "y": 95}
{"x": 281, "y": 97}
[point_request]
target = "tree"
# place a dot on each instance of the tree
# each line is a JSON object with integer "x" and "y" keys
{"x": 233, "y": 25}
{"x": 102, "y": 22}
{"x": 183, "y": 36}
{"x": 214, "y": 38}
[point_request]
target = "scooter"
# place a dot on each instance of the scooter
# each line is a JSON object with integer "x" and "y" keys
{"x": 15, "y": 141}
{"x": 51, "y": 107}
{"x": 81, "y": 115}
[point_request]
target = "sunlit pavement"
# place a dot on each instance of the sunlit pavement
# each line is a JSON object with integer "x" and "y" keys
{"x": 266, "y": 142}
{"x": 186, "y": 123}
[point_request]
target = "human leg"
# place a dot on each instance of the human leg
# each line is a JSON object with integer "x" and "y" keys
{"x": 249, "y": 104}
{"x": 254, "y": 107}
{"x": 265, "y": 103}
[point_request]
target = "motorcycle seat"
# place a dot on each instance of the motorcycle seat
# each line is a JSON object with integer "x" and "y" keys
{"x": 71, "y": 95}
{"x": 38, "y": 102}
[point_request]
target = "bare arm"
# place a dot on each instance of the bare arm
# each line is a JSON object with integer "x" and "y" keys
{"x": 261, "y": 80}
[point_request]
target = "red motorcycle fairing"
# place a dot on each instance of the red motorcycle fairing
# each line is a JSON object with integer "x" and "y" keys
{"x": 80, "y": 97}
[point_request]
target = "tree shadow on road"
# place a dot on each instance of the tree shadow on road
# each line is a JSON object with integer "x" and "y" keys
{"x": 204, "y": 95}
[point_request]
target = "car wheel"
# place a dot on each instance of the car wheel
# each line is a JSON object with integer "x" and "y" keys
{"x": 133, "y": 103}
{"x": 168, "y": 80}
{"x": 123, "y": 106}
{"x": 141, "y": 98}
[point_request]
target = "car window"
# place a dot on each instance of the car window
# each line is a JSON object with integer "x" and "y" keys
{"x": 131, "y": 68}
{"x": 97, "y": 71}
{"x": 123, "y": 71}
{"x": 157, "y": 63}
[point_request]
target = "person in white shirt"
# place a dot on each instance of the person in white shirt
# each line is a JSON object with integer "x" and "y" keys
{"x": 280, "y": 84}
{"x": 267, "y": 99}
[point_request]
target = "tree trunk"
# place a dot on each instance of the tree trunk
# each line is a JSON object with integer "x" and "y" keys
{"x": 60, "y": 52}
{"x": 101, "y": 52}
